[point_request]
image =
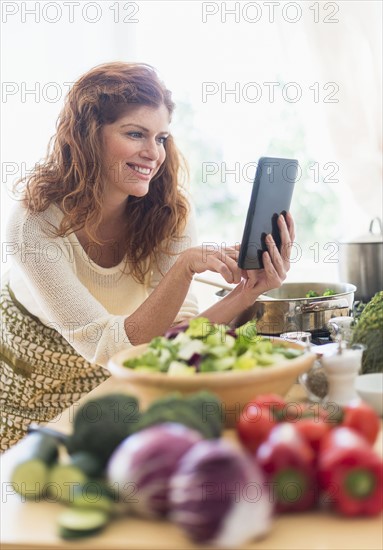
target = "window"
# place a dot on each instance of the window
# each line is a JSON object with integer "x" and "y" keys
{"x": 301, "y": 79}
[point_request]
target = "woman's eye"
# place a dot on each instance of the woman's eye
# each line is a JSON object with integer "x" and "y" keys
{"x": 162, "y": 139}
{"x": 134, "y": 134}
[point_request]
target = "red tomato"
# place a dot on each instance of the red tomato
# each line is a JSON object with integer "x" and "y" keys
{"x": 360, "y": 417}
{"x": 254, "y": 425}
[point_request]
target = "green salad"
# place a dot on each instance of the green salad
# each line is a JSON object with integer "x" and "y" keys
{"x": 203, "y": 346}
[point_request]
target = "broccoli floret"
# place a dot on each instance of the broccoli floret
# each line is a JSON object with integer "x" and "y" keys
{"x": 101, "y": 424}
{"x": 175, "y": 408}
{"x": 369, "y": 331}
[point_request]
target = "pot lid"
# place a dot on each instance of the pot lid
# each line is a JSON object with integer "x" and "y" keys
{"x": 374, "y": 235}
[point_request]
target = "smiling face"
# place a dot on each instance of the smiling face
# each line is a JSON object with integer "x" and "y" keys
{"x": 133, "y": 151}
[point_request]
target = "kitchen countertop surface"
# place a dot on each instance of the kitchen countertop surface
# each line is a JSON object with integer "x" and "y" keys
{"x": 31, "y": 525}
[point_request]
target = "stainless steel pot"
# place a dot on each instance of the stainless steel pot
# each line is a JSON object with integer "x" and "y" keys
{"x": 287, "y": 309}
{"x": 361, "y": 262}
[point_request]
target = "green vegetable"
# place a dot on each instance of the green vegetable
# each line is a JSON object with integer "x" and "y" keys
{"x": 78, "y": 523}
{"x": 200, "y": 327}
{"x": 208, "y": 408}
{"x": 329, "y": 292}
{"x": 38, "y": 451}
{"x": 311, "y": 294}
{"x": 64, "y": 478}
{"x": 209, "y": 347}
{"x": 369, "y": 331}
{"x": 101, "y": 424}
{"x": 314, "y": 294}
{"x": 188, "y": 411}
{"x": 94, "y": 495}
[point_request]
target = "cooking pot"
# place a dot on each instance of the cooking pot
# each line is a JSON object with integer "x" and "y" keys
{"x": 361, "y": 262}
{"x": 287, "y": 309}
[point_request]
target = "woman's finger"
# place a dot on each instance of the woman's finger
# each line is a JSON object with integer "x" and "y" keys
{"x": 252, "y": 278}
{"x": 290, "y": 225}
{"x": 275, "y": 258}
{"x": 227, "y": 267}
{"x": 286, "y": 241}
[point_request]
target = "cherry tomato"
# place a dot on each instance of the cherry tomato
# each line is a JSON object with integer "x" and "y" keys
{"x": 360, "y": 417}
{"x": 254, "y": 425}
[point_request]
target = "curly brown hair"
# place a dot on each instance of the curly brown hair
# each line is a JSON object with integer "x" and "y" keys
{"x": 70, "y": 175}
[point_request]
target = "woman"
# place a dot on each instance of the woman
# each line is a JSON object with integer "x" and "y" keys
{"x": 104, "y": 247}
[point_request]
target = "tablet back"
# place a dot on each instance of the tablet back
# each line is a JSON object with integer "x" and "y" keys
{"x": 271, "y": 195}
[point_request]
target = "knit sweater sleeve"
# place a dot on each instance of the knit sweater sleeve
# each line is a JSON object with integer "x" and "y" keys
{"x": 189, "y": 308}
{"x": 49, "y": 272}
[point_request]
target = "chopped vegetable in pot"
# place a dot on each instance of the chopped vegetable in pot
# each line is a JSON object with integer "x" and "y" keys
{"x": 314, "y": 294}
{"x": 207, "y": 347}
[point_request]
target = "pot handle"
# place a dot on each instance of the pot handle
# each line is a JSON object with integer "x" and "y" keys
{"x": 373, "y": 222}
{"x": 322, "y": 306}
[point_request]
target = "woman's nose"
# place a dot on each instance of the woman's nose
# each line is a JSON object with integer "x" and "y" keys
{"x": 150, "y": 149}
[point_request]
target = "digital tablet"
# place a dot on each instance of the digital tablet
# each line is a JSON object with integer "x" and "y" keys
{"x": 271, "y": 196}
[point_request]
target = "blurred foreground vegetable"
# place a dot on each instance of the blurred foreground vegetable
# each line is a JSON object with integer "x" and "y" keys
{"x": 101, "y": 424}
{"x": 288, "y": 462}
{"x": 141, "y": 466}
{"x": 362, "y": 418}
{"x": 218, "y": 496}
{"x": 350, "y": 473}
{"x": 200, "y": 411}
{"x": 30, "y": 472}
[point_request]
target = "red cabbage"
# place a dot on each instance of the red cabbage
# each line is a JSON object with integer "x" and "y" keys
{"x": 141, "y": 466}
{"x": 173, "y": 331}
{"x": 218, "y": 495}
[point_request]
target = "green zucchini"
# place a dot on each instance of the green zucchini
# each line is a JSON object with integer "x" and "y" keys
{"x": 38, "y": 451}
{"x": 78, "y": 523}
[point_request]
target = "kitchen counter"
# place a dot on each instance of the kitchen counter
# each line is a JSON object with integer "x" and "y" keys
{"x": 32, "y": 525}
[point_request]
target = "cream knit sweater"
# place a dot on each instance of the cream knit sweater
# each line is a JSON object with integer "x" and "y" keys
{"x": 55, "y": 280}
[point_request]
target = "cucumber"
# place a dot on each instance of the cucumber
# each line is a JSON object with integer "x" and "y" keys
{"x": 65, "y": 478}
{"x": 77, "y": 523}
{"x": 94, "y": 495}
{"x": 30, "y": 474}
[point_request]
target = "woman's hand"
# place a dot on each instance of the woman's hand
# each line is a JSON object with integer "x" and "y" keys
{"x": 276, "y": 265}
{"x": 212, "y": 257}
{"x": 251, "y": 283}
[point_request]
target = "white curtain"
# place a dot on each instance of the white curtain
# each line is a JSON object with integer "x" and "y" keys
{"x": 348, "y": 53}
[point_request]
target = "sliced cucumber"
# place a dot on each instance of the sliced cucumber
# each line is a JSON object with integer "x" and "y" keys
{"x": 63, "y": 479}
{"x": 76, "y": 523}
{"x": 94, "y": 495}
{"x": 30, "y": 473}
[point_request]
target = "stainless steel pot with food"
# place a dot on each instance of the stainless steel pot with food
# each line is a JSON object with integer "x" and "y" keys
{"x": 287, "y": 308}
{"x": 361, "y": 262}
